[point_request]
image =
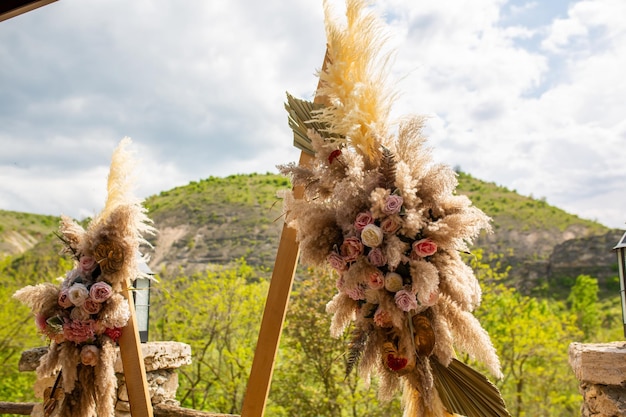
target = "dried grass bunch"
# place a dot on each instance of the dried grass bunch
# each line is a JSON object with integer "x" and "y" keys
{"x": 387, "y": 220}
{"x": 83, "y": 316}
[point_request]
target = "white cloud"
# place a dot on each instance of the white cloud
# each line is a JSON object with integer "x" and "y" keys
{"x": 535, "y": 105}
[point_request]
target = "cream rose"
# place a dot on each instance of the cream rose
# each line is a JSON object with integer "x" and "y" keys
{"x": 77, "y": 294}
{"x": 393, "y": 282}
{"x": 372, "y": 236}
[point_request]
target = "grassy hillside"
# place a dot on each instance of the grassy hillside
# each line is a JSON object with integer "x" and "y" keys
{"x": 21, "y": 231}
{"x": 218, "y": 220}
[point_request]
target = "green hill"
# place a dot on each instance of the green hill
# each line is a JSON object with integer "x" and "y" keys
{"x": 218, "y": 220}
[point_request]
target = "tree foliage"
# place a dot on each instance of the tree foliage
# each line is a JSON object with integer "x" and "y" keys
{"x": 218, "y": 313}
{"x": 532, "y": 337}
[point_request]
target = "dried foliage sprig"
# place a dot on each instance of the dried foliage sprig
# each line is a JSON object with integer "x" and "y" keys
{"x": 84, "y": 315}
{"x": 387, "y": 221}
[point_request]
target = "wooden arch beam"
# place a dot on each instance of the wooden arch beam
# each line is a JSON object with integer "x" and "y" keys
{"x": 275, "y": 305}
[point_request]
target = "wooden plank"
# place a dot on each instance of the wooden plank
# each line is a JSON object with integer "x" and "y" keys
{"x": 12, "y": 8}
{"x": 275, "y": 310}
{"x": 134, "y": 367}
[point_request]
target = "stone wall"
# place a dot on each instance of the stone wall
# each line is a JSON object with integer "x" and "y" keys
{"x": 162, "y": 359}
{"x": 601, "y": 372}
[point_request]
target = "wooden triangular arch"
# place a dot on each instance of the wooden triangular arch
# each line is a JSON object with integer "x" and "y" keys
{"x": 275, "y": 305}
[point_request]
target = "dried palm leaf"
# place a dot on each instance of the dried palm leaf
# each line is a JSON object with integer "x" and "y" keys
{"x": 467, "y": 392}
{"x": 301, "y": 120}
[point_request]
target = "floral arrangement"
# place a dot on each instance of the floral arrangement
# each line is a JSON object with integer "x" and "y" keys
{"x": 387, "y": 221}
{"x": 83, "y": 317}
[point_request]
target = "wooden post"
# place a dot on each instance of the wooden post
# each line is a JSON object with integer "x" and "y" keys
{"x": 275, "y": 309}
{"x": 134, "y": 367}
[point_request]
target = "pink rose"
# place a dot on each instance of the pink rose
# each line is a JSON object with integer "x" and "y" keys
{"x": 89, "y": 355}
{"x": 376, "y": 280}
{"x": 64, "y": 298}
{"x": 91, "y": 306}
{"x": 393, "y": 204}
{"x": 351, "y": 249}
{"x": 77, "y": 294}
{"x": 382, "y": 318}
{"x": 78, "y": 331}
{"x": 356, "y": 293}
{"x": 363, "y": 219}
{"x": 405, "y": 300}
{"x": 376, "y": 257}
{"x": 41, "y": 322}
{"x": 337, "y": 262}
{"x": 390, "y": 225}
{"x": 100, "y": 292}
{"x": 87, "y": 264}
{"x": 423, "y": 248}
{"x": 340, "y": 283}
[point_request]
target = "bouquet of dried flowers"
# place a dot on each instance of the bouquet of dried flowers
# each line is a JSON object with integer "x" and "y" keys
{"x": 83, "y": 316}
{"x": 388, "y": 223}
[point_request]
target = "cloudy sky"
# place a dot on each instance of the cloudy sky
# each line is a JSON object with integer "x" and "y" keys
{"x": 530, "y": 95}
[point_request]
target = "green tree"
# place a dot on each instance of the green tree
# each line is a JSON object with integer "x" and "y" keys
{"x": 583, "y": 302}
{"x": 218, "y": 314}
{"x": 310, "y": 377}
{"x": 532, "y": 337}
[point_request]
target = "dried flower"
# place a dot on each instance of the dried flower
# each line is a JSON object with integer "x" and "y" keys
{"x": 77, "y": 294}
{"x": 89, "y": 355}
{"x": 372, "y": 236}
{"x": 110, "y": 256}
{"x": 334, "y": 155}
{"x": 396, "y": 363}
{"x": 423, "y": 248}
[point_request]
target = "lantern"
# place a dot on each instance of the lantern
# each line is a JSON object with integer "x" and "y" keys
{"x": 141, "y": 296}
{"x": 621, "y": 264}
